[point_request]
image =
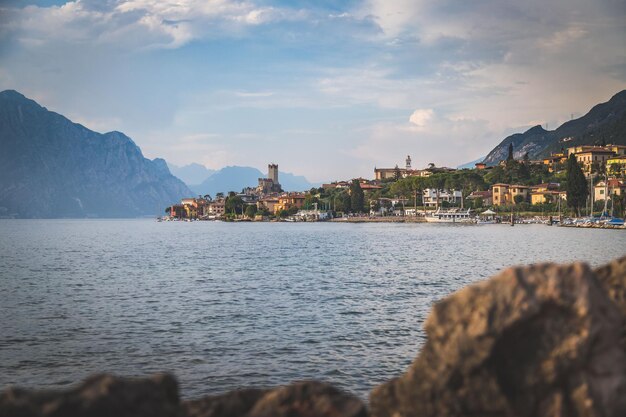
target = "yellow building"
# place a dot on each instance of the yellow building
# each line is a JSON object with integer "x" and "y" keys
{"x": 613, "y": 187}
{"x": 597, "y": 156}
{"x": 500, "y": 194}
{"x": 616, "y": 165}
{"x": 619, "y": 150}
{"x": 282, "y": 202}
{"x": 504, "y": 194}
{"x": 554, "y": 160}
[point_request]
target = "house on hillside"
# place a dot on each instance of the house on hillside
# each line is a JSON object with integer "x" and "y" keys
{"x": 612, "y": 187}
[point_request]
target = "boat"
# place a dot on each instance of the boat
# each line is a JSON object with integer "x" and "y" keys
{"x": 451, "y": 216}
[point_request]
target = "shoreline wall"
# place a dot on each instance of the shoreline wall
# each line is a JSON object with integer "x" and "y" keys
{"x": 539, "y": 340}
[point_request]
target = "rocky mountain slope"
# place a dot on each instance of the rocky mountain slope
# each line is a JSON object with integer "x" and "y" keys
{"x": 604, "y": 123}
{"x": 51, "y": 167}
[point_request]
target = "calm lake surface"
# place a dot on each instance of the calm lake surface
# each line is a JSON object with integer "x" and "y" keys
{"x": 229, "y": 305}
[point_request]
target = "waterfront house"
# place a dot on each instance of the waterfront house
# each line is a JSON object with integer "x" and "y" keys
{"x": 612, "y": 187}
{"x": 268, "y": 203}
{"x": 215, "y": 208}
{"x": 289, "y": 200}
{"x": 432, "y": 196}
{"x": 504, "y": 194}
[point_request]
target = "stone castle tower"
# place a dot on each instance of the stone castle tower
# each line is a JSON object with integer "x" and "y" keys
{"x": 272, "y": 173}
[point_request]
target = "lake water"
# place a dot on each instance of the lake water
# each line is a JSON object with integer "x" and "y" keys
{"x": 225, "y": 305}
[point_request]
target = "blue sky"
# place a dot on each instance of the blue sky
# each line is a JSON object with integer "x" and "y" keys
{"x": 326, "y": 89}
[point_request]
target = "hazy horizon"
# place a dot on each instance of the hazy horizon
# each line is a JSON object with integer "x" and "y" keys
{"x": 327, "y": 89}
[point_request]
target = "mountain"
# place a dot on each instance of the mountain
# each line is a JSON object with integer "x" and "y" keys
{"x": 605, "y": 122}
{"x": 470, "y": 165}
{"x": 236, "y": 178}
{"x": 191, "y": 174}
{"x": 51, "y": 167}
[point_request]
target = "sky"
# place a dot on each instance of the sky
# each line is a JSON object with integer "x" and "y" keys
{"x": 327, "y": 89}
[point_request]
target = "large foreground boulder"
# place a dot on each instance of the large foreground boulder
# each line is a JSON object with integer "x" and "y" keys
{"x": 534, "y": 341}
{"x": 612, "y": 277}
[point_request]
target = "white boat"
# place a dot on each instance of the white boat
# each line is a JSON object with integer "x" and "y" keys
{"x": 451, "y": 216}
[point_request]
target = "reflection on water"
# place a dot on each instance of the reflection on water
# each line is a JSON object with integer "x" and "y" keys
{"x": 228, "y": 305}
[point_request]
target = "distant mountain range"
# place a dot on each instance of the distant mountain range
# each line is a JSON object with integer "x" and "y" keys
{"x": 236, "y": 178}
{"x": 191, "y": 174}
{"x": 51, "y": 167}
{"x": 604, "y": 123}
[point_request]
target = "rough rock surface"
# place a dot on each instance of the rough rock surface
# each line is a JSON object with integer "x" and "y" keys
{"x": 533, "y": 341}
{"x": 612, "y": 277}
{"x": 98, "y": 396}
{"x": 302, "y": 399}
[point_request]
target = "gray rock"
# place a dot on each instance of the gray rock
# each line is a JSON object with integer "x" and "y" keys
{"x": 301, "y": 399}
{"x": 533, "y": 341}
{"x": 98, "y": 396}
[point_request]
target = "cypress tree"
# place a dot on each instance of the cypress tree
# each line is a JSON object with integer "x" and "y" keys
{"x": 510, "y": 157}
{"x": 357, "y": 197}
{"x": 577, "y": 190}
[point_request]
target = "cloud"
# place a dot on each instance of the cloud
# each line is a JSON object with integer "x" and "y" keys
{"x": 139, "y": 23}
{"x": 421, "y": 117}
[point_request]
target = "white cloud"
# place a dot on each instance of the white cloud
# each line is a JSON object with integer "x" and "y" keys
{"x": 139, "y": 23}
{"x": 421, "y": 117}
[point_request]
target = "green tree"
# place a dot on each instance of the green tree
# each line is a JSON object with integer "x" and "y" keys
{"x": 396, "y": 173}
{"x": 577, "y": 190}
{"x": 234, "y": 204}
{"x": 510, "y": 155}
{"x": 251, "y": 211}
{"x": 518, "y": 199}
{"x": 357, "y": 197}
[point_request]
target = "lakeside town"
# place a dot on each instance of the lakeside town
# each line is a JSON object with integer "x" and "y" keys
{"x": 581, "y": 186}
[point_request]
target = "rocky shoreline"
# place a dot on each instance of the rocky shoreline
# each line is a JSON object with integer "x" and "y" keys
{"x": 539, "y": 340}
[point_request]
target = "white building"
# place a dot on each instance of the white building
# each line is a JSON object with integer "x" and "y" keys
{"x": 429, "y": 198}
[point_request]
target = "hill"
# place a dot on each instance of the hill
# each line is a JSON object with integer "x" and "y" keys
{"x": 604, "y": 123}
{"x": 236, "y": 178}
{"x": 51, "y": 167}
{"x": 191, "y": 174}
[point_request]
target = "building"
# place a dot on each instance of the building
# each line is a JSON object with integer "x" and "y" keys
{"x": 546, "y": 193}
{"x": 397, "y": 172}
{"x": 480, "y": 165}
{"x": 485, "y": 196}
{"x": 270, "y": 184}
{"x": 619, "y": 150}
{"x": 215, "y": 208}
{"x": 432, "y": 196}
{"x": 504, "y": 194}
{"x": 554, "y": 160}
{"x": 288, "y": 201}
{"x": 616, "y": 165}
{"x": 268, "y": 203}
{"x": 591, "y": 158}
{"x": 612, "y": 187}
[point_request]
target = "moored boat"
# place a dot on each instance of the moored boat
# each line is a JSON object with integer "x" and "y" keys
{"x": 451, "y": 216}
